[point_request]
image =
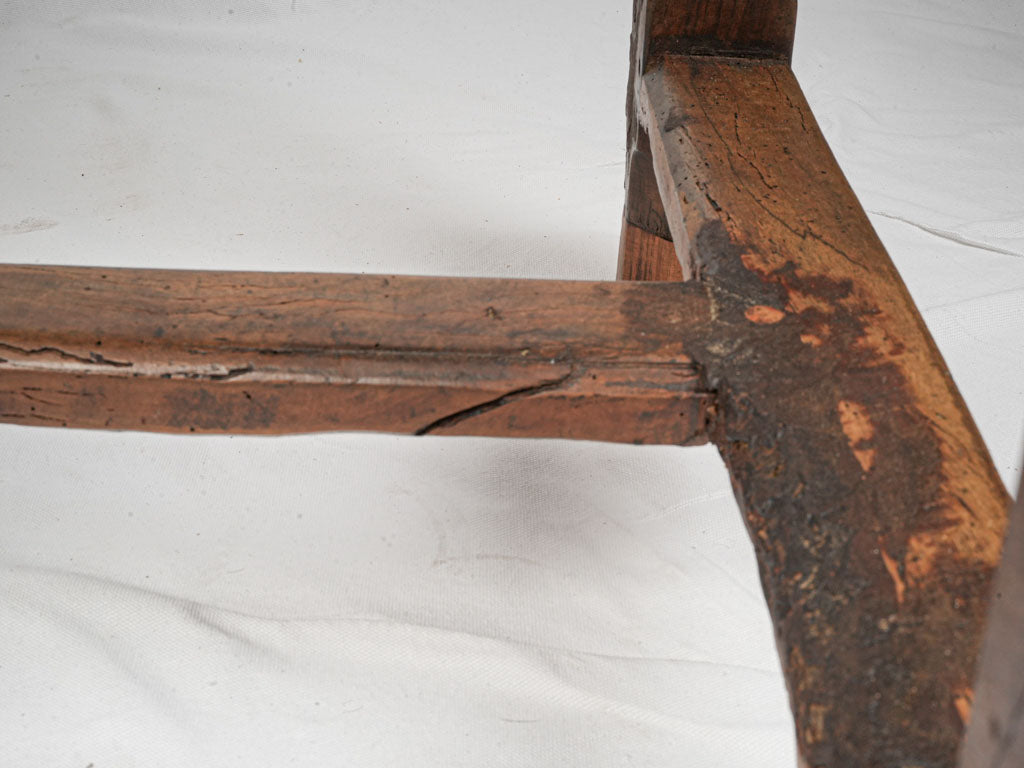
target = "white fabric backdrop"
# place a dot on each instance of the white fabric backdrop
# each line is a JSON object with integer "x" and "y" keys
{"x": 346, "y": 600}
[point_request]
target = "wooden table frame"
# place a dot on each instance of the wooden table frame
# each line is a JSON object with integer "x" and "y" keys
{"x": 757, "y": 309}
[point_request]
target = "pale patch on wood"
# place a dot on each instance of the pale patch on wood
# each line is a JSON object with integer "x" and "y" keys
{"x": 859, "y": 431}
{"x": 800, "y": 301}
{"x": 967, "y": 533}
{"x": 764, "y": 315}
{"x": 815, "y": 730}
{"x": 894, "y": 573}
{"x": 866, "y": 458}
{"x": 811, "y": 339}
{"x": 877, "y": 339}
{"x": 964, "y": 701}
{"x": 921, "y": 553}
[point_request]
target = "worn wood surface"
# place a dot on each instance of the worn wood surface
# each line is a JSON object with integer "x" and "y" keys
{"x": 875, "y": 511}
{"x": 645, "y": 247}
{"x": 645, "y": 250}
{"x": 270, "y": 353}
{"x": 760, "y": 29}
{"x": 643, "y": 256}
{"x": 995, "y": 736}
{"x": 757, "y": 29}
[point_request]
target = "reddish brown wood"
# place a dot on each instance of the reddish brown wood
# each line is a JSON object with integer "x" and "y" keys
{"x": 761, "y": 29}
{"x": 645, "y": 247}
{"x": 758, "y": 29}
{"x": 875, "y": 511}
{"x": 995, "y": 736}
{"x": 643, "y": 256}
{"x": 270, "y": 353}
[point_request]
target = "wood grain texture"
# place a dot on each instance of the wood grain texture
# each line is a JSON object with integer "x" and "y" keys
{"x": 645, "y": 246}
{"x": 758, "y": 29}
{"x": 754, "y": 29}
{"x": 995, "y": 736}
{"x": 645, "y": 231}
{"x": 271, "y": 353}
{"x": 645, "y": 256}
{"x": 875, "y": 511}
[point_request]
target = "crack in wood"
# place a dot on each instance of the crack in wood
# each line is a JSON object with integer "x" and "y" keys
{"x": 490, "y": 405}
{"x": 94, "y": 357}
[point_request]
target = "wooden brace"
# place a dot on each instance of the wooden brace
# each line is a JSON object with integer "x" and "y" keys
{"x": 762, "y": 313}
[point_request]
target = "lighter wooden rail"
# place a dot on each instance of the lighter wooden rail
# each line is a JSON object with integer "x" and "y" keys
{"x": 178, "y": 351}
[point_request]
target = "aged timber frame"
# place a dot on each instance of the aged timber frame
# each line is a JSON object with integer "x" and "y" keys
{"x": 757, "y": 309}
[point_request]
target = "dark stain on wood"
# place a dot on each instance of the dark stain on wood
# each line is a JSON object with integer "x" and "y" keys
{"x": 875, "y": 512}
{"x": 841, "y": 481}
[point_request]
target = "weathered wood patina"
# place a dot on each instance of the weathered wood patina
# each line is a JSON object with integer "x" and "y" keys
{"x": 245, "y": 352}
{"x": 784, "y": 334}
{"x": 875, "y": 511}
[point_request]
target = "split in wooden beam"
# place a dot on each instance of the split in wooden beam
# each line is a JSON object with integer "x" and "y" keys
{"x": 875, "y": 511}
{"x": 267, "y": 353}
